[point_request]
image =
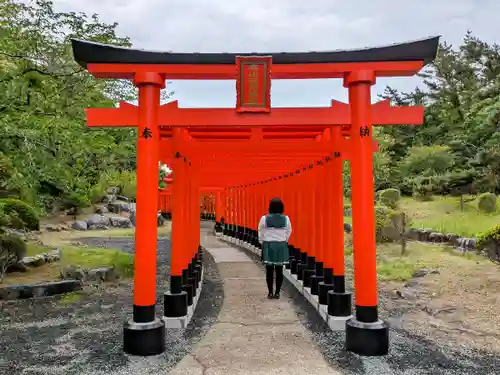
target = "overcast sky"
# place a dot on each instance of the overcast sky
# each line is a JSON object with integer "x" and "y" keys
{"x": 287, "y": 25}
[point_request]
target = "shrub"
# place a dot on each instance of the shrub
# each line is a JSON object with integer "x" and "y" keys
{"x": 347, "y": 210}
{"x": 4, "y": 219}
{"x": 390, "y": 197}
{"x": 390, "y": 225}
{"x": 487, "y": 202}
{"x": 74, "y": 202}
{"x": 423, "y": 188}
{"x": 382, "y": 220}
{"x": 12, "y": 250}
{"x": 126, "y": 181}
{"x": 23, "y": 211}
{"x": 489, "y": 241}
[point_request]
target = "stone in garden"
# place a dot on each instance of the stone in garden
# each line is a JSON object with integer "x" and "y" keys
{"x": 16, "y": 233}
{"x": 54, "y": 256}
{"x": 407, "y": 293}
{"x": 79, "y": 225}
{"x": 34, "y": 261}
{"x": 132, "y": 218}
{"x": 73, "y": 272}
{"x": 347, "y": 228}
{"x": 453, "y": 239}
{"x": 108, "y": 198}
{"x": 119, "y": 206}
{"x": 101, "y": 209}
{"x": 52, "y": 228}
{"x": 97, "y": 222}
{"x": 113, "y": 190}
{"x": 120, "y": 222}
{"x": 424, "y": 271}
{"x": 102, "y": 274}
{"x": 436, "y": 237}
{"x": 18, "y": 267}
{"x": 122, "y": 198}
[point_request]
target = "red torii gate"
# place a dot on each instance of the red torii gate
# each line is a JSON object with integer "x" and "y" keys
{"x": 144, "y": 335}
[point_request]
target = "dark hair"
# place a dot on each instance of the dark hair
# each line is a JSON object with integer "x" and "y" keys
{"x": 276, "y": 206}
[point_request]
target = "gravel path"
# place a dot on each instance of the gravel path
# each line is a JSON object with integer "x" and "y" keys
{"x": 411, "y": 353}
{"x": 48, "y": 336}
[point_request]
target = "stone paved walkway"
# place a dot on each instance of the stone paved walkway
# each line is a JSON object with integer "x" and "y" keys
{"x": 253, "y": 335}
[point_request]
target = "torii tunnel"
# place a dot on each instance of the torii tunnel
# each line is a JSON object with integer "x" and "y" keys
{"x": 246, "y": 155}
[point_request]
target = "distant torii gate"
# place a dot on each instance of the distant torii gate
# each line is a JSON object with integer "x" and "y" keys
{"x": 195, "y": 143}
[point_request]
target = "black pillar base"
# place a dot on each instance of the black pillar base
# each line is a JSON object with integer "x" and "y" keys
{"x": 323, "y": 292}
{"x": 319, "y": 268}
{"x": 307, "y": 276}
{"x": 144, "y": 339}
{"x": 198, "y": 269}
{"x": 339, "y": 304}
{"x": 188, "y": 288}
{"x": 175, "y": 305}
{"x": 193, "y": 280}
{"x": 196, "y": 278}
{"x": 300, "y": 271}
{"x": 315, "y": 280}
{"x": 289, "y": 264}
{"x": 367, "y": 339}
{"x": 294, "y": 266}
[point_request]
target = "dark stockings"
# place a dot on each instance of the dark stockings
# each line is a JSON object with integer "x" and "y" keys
{"x": 270, "y": 276}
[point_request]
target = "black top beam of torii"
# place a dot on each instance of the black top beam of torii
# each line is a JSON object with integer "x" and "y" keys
{"x": 86, "y": 52}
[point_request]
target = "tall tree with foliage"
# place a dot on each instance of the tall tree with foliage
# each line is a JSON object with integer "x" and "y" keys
{"x": 47, "y": 155}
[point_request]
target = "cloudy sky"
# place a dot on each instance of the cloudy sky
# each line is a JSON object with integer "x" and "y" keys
{"x": 287, "y": 25}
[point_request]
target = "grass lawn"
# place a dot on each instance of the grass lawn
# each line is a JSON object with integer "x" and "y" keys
{"x": 443, "y": 214}
{"x": 85, "y": 257}
{"x": 392, "y": 266}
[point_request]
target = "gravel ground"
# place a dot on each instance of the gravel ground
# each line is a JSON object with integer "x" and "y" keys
{"x": 411, "y": 353}
{"x": 48, "y": 336}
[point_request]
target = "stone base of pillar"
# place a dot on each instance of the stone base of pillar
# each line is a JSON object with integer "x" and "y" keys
{"x": 367, "y": 339}
{"x": 323, "y": 293}
{"x": 175, "y": 305}
{"x": 315, "y": 280}
{"x": 307, "y": 277}
{"x": 339, "y": 304}
{"x": 144, "y": 339}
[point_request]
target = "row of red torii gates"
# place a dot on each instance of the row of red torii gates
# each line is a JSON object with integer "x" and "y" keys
{"x": 245, "y": 156}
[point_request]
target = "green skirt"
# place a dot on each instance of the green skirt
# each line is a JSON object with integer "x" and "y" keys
{"x": 275, "y": 253}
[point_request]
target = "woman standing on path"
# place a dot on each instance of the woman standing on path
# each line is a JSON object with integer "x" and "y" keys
{"x": 274, "y": 231}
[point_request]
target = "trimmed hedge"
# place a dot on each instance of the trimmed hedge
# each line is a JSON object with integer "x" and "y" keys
{"x": 487, "y": 202}
{"x": 23, "y": 213}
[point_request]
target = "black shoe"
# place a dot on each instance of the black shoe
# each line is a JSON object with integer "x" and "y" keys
{"x": 270, "y": 296}
{"x": 276, "y": 296}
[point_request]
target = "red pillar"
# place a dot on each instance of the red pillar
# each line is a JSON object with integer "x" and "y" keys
{"x": 365, "y": 334}
{"x": 139, "y": 340}
{"x": 176, "y": 300}
{"x": 319, "y": 217}
{"x": 339, "y": 303}
{"x": 330, "y": 233}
